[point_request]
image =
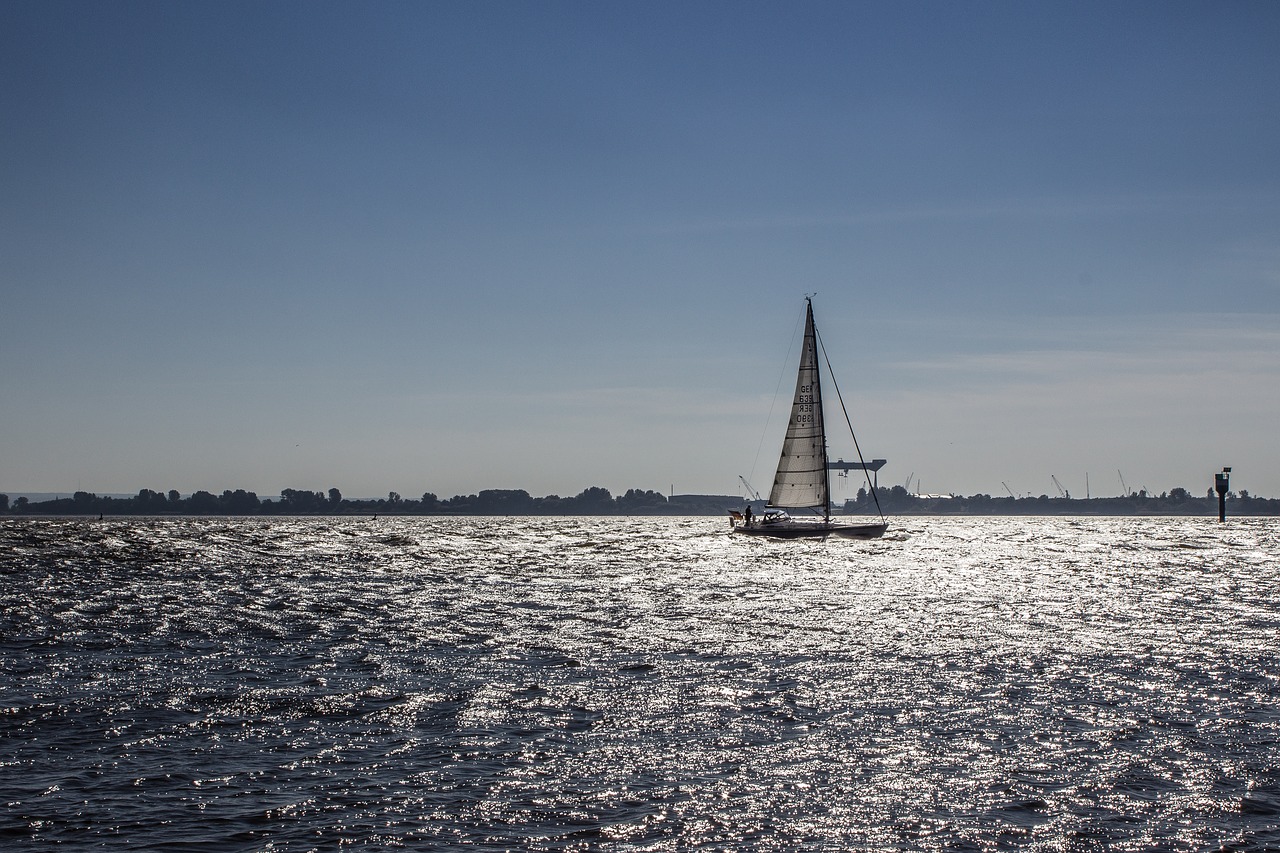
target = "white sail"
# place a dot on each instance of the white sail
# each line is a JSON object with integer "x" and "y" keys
{"x": 801, "y": 480}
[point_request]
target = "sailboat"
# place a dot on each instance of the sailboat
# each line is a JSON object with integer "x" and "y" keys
{"x": 803, "y": 479}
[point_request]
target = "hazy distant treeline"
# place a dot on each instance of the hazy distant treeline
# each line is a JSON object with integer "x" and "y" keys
{"x": 1177, "y": 501}
{"x": 598, "y": 501}
{"x": 591, "y": 501}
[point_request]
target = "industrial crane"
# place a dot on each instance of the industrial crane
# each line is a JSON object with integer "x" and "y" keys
{"x": 1062, "y": 493}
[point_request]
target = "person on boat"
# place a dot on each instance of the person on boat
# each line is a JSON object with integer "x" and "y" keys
{"x": 747, "y": 515}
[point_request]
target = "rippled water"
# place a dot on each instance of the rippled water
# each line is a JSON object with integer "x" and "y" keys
{"x": 566, "y": 684}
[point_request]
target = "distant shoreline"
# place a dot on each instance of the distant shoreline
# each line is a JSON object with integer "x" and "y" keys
{"x": 596, "y": 501}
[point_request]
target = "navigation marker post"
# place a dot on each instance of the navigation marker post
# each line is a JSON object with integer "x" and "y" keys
{"x": 1220, "y": 485}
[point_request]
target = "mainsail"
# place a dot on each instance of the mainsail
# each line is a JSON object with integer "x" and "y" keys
{"x": 801, "y": 480}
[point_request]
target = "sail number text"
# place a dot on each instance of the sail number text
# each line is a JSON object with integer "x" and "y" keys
{"x": 804, "y": 404}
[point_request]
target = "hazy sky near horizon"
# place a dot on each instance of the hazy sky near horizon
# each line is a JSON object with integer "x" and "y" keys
{"x": 454, "y": 246}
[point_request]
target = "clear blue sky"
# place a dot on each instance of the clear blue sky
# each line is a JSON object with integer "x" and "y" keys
{"x": 455, "y": 246}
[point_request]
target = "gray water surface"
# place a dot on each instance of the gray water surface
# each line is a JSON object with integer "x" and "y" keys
{"x": 652, "y": 684}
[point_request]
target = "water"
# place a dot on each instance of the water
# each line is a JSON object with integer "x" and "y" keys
{"x": 656, "y": 684}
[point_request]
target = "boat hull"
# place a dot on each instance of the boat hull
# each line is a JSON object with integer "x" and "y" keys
{"x": 802, "y": 530}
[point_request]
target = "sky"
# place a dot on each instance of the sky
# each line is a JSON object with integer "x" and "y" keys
{"x": 453, "y": 246}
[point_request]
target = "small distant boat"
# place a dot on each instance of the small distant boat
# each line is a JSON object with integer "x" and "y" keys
{"x": 803, "y": 479}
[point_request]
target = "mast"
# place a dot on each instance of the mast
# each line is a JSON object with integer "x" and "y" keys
{"x": 822, "y": 422}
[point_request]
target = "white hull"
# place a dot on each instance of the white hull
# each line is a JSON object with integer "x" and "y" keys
{"x": 794, "y": 529}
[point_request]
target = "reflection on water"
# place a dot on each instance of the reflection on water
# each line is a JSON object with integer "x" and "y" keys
{"x": 1040, "y": 684}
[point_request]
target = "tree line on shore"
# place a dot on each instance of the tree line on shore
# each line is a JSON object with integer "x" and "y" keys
{"x": 590, "y": 501}
{"x": 1176, "y": 501}
{"x": 599, "y": 501}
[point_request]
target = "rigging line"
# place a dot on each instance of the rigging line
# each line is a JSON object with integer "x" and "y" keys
{"x": 848, "y": 423}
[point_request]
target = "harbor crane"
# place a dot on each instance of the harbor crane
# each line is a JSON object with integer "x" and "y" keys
{"x": 1009, "y": 490}
{"x": 844, "y": 468}
{"x": 1062, "y": 493}
{"x": 1123, "y": 485}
